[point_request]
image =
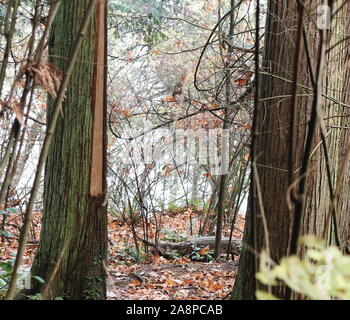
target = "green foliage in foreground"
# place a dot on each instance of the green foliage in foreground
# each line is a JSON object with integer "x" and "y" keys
{"x": 323, "y": 273}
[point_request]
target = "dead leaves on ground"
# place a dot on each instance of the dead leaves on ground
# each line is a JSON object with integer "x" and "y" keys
{"x": 180, "y": 279}
{"x": 190, "y": 281}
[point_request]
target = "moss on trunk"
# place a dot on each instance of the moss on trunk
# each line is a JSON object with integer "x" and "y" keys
{"x": 73, "y": 217}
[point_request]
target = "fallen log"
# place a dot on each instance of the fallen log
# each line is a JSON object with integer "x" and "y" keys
{"x": 187, "y": 247}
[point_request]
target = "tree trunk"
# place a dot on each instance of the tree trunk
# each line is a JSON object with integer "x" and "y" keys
{"x": 271, "y": 140}
{"x": 73, "y": 247}
{"x": 194, "y": 191}
{"x": 223, "y": 178}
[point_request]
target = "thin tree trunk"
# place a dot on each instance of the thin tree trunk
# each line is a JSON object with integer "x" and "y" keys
{"x": 223, "y": 178}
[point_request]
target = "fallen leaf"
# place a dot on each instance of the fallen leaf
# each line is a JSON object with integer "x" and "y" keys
{"x": 169, "y": 99}
{"x": 204, "y": 251}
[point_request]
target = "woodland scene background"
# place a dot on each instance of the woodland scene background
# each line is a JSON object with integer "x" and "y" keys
{"x": 174, "y": 149}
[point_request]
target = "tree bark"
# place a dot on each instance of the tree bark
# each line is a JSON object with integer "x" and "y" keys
{"x": 73, "y": 242}
{"x": 271, "y": 137}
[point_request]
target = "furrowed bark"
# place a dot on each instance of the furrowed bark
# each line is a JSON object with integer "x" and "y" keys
{"x": 68, "y": 206}
{"x": 272, "y": 138}
{"x": 74, "y": 199}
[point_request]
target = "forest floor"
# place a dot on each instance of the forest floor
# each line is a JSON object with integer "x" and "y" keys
{"x": 159, "y": 278}
{"x": 154, "y": 278}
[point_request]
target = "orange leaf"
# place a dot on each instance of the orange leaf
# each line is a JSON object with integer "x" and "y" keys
{"x": 207, "y": 8}
{"x": 241, "y": 82}
{"x": 167, "y": 171}
{"x": 126, "y": 113}
{"x": 207, "y": 175}
{"x": 214, "y": 286}
{"x": 17, "y": 108}
{"x": 204, "y": 250}
{"x": 170, "y": 99}
{"x": 156, "y": 52}
{"x": 245, "y": 127}
{"x": 248, "y": 127}
{"x": 134, "y": 283}
{"x": 170, "y": 283}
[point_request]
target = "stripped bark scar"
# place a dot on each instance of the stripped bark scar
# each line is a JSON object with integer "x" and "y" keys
{"x": 98, "y": 105}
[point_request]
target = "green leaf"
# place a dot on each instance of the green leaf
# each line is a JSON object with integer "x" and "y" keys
{"x": 38, "y": 296}
{"x": 12, "y": 210}
{"x": 262, "y": 295}
{"x": 266, "y": 278}
{"x": 6, "y": 234}
{"x": 6, "y": 266}
{"x": 41, "y": 280}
